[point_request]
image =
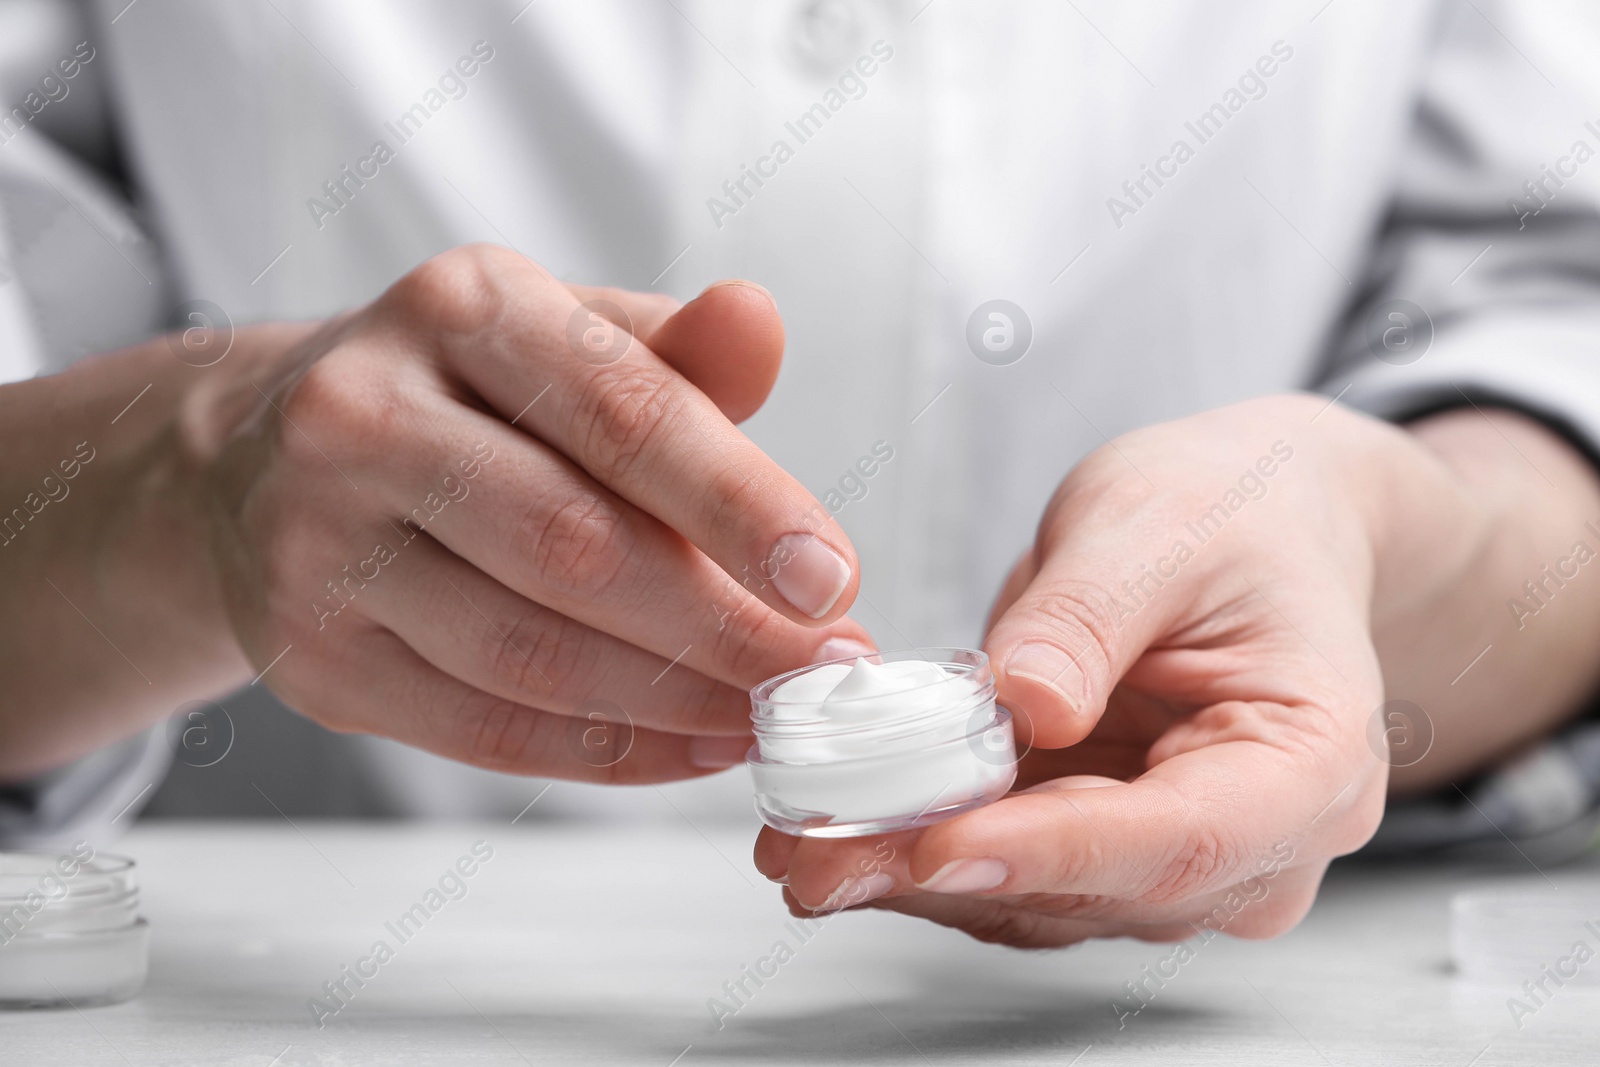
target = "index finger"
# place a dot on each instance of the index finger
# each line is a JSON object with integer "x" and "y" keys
{"x": 636, "y": 425}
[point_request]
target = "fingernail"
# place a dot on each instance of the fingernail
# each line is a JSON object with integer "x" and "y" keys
{"x": 807, "y": 573}
{"x": 967, "y": 876}
{"x": 854, "y": 890}
{"x": 763, "y": 290}
{"x": 842, "y": 648}
{"x": 718, "y": 752}
{"x": 1050, "y": 667}
{"x": 779, "y": 879}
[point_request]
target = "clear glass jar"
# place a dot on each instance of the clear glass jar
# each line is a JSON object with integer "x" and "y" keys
{"x": 918, "y": 756}
{"x": 70, "y": 931}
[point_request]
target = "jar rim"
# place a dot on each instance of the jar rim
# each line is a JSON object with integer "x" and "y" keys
{"x": 100, "y": 875}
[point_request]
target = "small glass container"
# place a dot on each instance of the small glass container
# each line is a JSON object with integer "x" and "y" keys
{"x": 70, "y": 931}
{"x": 885, "y": 762}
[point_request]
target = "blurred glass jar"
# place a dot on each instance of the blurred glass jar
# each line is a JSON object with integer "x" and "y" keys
{"x": 70, "y": 931}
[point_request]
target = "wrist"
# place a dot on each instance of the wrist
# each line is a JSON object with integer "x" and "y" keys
{"x": 116, "y": 571}
{"x": 1488, "y": 678}
{"x": 158, "y": 548}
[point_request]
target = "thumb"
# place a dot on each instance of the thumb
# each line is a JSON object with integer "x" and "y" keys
{"x": 1073, "y": 631}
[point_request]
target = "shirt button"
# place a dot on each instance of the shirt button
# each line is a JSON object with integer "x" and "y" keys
{"x": 826, "y": 35}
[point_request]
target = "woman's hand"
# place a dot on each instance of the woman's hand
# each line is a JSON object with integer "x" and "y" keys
{"x": 1198, "y": 649}
{"x": 491, "y": 515}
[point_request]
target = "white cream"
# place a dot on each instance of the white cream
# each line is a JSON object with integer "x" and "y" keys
{"x": 867, "y": 706}
{"x": 879, "y": 744}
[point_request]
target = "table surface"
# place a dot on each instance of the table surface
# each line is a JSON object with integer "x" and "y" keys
{"x": 602, "y": 945}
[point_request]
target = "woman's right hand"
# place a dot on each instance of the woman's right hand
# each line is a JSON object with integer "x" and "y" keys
{"x": 488, "y": 521}
{"x": 489, "y": 515}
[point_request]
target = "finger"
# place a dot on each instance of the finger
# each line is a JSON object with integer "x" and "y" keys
{"x": 475, "y": 629}
{"x": 817, "y": 870}
{"x": 1007, "y": 922}
{"x": 1198, "y": 822}
{"x": 376, "y": 684}
{"x": 828, "y": 874}
{"x": 1262, "y": 906}
{"x": 642, "y": 313}
{"x": 530, "y": 519}
{"x": 728, "y": 341}
{"x": 772, "y": 852}
{"x": 1003, "y": 922}
{"x": 632, "y": 422}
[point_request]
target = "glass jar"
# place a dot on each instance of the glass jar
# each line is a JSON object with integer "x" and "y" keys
{"x": 70, "y": 931}
{"x": 914, "y": 756}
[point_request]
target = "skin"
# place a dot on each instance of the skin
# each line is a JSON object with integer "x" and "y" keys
{"x": 1220, "y": 739}
{"x": 613, "y": 545}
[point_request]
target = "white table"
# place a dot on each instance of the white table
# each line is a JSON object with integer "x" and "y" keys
{"x": 602, "y": 945}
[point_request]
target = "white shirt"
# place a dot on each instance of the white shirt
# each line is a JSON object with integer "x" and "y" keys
{"x": 1187, "y": 201}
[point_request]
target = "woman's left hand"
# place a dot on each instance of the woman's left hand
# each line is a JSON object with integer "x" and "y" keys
{"x": 1193, "y": 651}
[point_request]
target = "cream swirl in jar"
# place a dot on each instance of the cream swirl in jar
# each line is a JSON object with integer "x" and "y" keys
{"x": 880, "y": 743}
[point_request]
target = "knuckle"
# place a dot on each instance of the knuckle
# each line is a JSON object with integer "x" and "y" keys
{"x": 531, "y": 653}
{"x": 745, "y": 644}
{"x": 576, "y": 550}
{"x": 320, "y": 399}
{"x": 500, "y": 730}
{"x": 624, "y": 408}
{"x": 1194, "y": 867}
{"x": 338, "y": 408}
{"x": 733, "y": 495}
{"x": 455, "y": 292}
{"x": 713, "y": 707}
{"x": 1079, "y": 612}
